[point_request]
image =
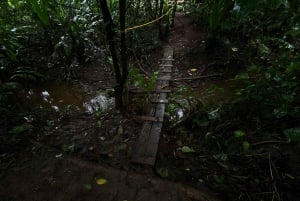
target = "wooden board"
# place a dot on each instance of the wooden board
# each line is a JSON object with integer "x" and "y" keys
{"x": 164, "y": 77}
{"x": 147, "y": 143}
{"x": 156, "y": 91}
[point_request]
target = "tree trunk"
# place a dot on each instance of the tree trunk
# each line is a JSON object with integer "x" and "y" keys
{"x": 137, "y": 10}
{"x": 156, "y": 8}
{"x": 110, "y": 35}
{"x": 160, "y": 27}
{"x": 122, "y": 5}
{"x": 173, "y": 14}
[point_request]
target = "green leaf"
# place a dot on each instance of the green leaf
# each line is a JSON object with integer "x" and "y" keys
{"x": 293, "y": 134}
{"x": 293, "y": 68}
{"x": 12, "y": 86}
{"x": 280, "y": 112}
{"x": 219, "y": 179}
{"x": 186, "y": 149}
{"x": 239, "y": 133}
{"x": 40, "y": 9}
{"x": 17, "y": 129}
{"x": 295, "y": 31}
{"x": 163, "y": 172}
{"x": 246, "y": 146}
{"x": 263, "y": 49}
{"x": 10, "y": 4}
{"x": 222, "y": 157}
{"x": 11, "y": 55}
{"x": 242, "y": 76}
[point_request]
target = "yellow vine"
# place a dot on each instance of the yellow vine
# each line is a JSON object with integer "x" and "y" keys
{"x": 151, "y": 22}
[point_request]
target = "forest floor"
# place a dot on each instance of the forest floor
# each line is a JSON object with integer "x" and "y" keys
{"x": 82, "y": 156}
{"x": 76, "y": 159}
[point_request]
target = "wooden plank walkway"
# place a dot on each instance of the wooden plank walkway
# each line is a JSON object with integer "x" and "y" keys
{"x": 147, "y": 144}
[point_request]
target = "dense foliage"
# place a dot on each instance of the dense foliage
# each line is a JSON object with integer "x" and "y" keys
{"x": 42, "y": 40}
{"x": 265, "y": 36}
{"x": 51, "y": 39}
{"x": 243, "y": 134}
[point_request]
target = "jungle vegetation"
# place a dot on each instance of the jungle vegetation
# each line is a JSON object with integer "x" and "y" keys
{"x": 51, "y": 39}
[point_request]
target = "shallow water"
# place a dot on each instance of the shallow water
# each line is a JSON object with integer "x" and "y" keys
{"x": 62, "y": 95}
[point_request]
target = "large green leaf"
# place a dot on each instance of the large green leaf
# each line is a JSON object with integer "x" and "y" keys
{"x": 40, "y": 9}
{"x": 293, "y": 134}
{"x": 295, "y": 31}
{"x": 17, "y": 129}
{"x": 12, "y": 86}
{"x": 239, "y": 133}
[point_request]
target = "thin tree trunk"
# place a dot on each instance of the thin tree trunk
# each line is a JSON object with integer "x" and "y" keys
{"x": 160, "y": 28}
{"x": 156, "y": 7}
{"x": 173, "y": 14}
{"x": 122, "y": 5}
{"x": 137, "y": 9}
{"x": 110, "y": 35}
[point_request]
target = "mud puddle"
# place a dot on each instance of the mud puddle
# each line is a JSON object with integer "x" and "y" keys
{"x": 65, "y": 95}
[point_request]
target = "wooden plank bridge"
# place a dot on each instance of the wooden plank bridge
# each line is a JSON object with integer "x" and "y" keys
{"x": 147, "y": 143}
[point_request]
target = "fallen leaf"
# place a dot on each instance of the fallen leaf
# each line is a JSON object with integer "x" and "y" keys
{"x": 193, "y": 70}
{"x": 101, "y": 181}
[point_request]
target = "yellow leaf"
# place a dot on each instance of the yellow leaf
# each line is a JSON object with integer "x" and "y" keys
{"x": 193, "y": 69}
{"x": 101, "y": 181}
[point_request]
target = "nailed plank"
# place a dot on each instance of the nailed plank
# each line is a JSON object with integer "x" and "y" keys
{"x": 161, "y": 101}
{"x": 166, "y": 71}
{"x": 168, "y": 52}
{"x": 156, "y": 91}
{"x": 167, "y": 59}
{"x": 147, "y": 143}
{"x": 150, "y": 118}
{"x": 164, "y": 77}
{"x": 155, "y": 133}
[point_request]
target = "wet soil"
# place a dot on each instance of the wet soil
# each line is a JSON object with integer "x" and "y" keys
{"x": 57, "y": 177}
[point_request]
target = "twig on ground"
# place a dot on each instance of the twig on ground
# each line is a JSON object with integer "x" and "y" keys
{"x": 275, "y": 191}
{"x": 268, "y": 142}
{"x": 196, "y": 78}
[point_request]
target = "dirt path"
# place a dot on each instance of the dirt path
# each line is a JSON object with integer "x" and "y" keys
{"x": 187, "y": 41}
{"x": 67, "y": 178}
{"x": 42, "y": 173}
